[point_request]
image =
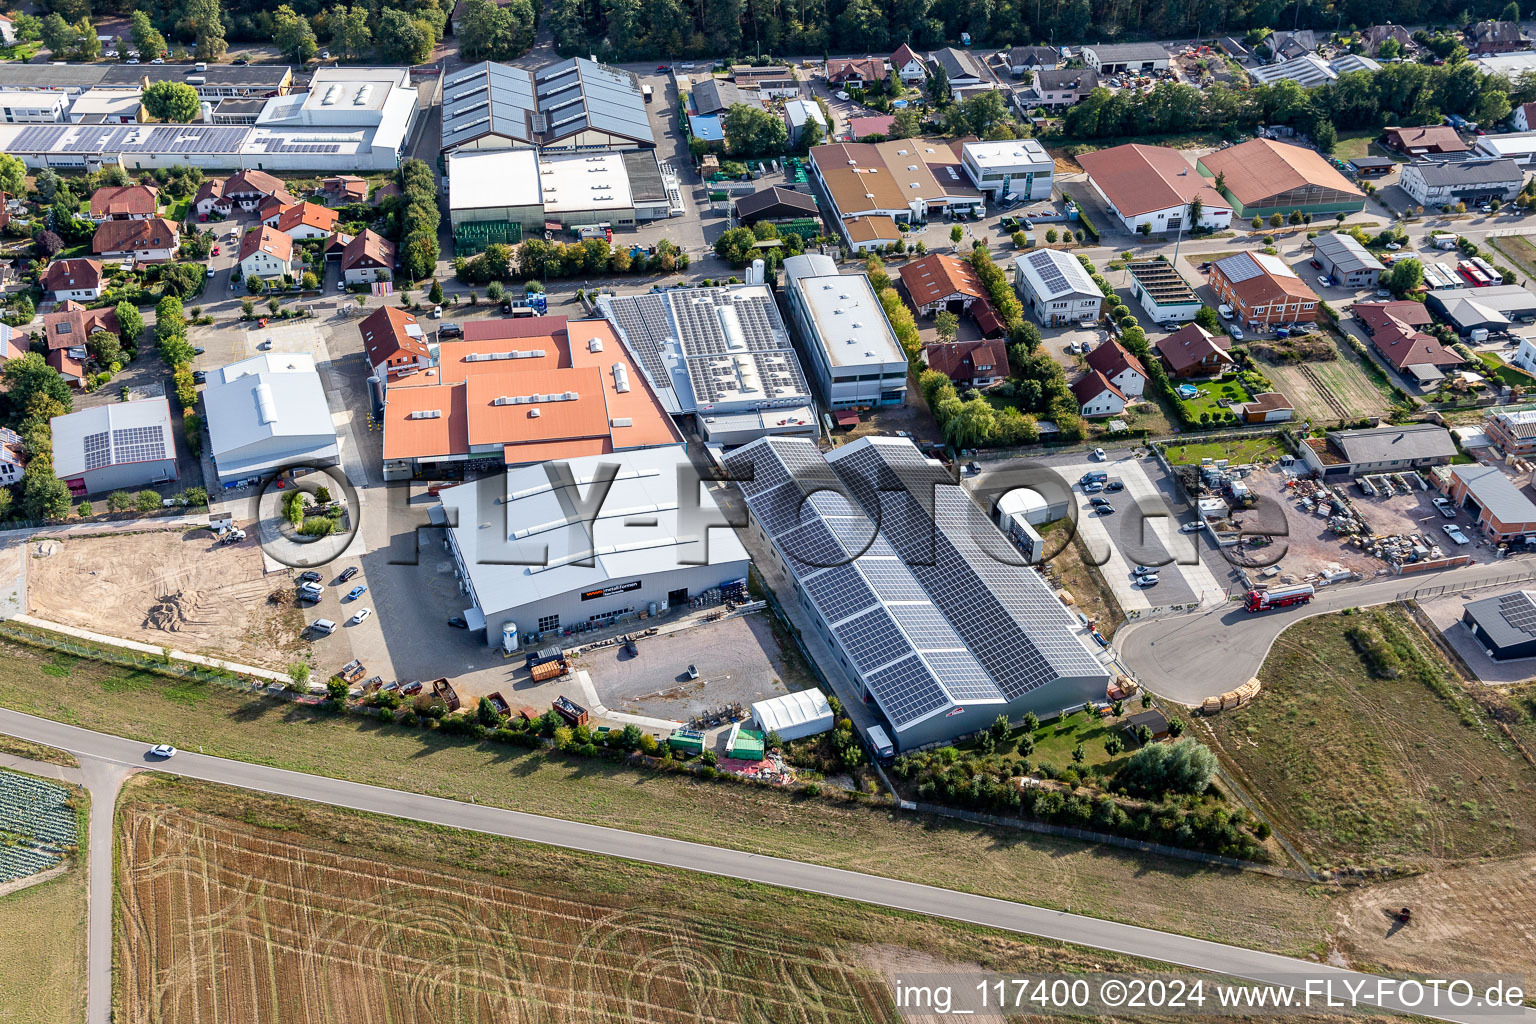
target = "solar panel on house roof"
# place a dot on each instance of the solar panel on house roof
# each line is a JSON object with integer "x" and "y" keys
{"x": 98, "y": 450}
{"x": 1239, "y": 267}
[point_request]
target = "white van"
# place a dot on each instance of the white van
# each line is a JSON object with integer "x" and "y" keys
{"x": 325, "y": 627}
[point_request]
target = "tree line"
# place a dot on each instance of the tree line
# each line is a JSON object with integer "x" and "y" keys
{"x": 631, "y": 30}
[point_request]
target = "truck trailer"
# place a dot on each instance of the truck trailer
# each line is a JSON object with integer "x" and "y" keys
{"x": 1279, "y": 597}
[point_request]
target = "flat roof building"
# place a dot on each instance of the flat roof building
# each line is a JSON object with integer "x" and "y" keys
{"x": 520, "y": 391}
{"x": 929, "y": 608}
{"x": 114, "y": 447}
{"x": 536, "y": 561}
{"x": 266, "y": 413}
{"x": 849, "y": 344}
{"x": 573, "y": 104}
{"x": 1055, "y": 289}
{"x": 1019, "y": 169}
{"x": 722, "y": 355}
{"x": 1163, "y": 293}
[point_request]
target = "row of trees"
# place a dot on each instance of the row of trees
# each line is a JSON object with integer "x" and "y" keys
{"x": 416, "y": 214}
{"x": 537, "y": 260}
{"x": 1397, "y": 94}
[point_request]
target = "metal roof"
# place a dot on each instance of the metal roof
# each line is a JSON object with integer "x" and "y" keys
{"x": 1115, "y": 52}
{"x": 1506, "y": 619}
{"x": 1467, "y": 172}
{"x": 259, "y": 400}
{"x": 1051, "y": 273}
{"x": 542, "y": 107}
{"x": 1345, "y": 253}
{"x": 848, "y": 315}
{"x": 115, "y": 434}
{"x": 921, "y": 592}
{"x": 1496, "y": 493}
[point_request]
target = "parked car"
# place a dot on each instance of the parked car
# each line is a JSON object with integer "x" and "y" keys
{"x": 1098, "y": 501}
{"x": 1325, "y": 280}
{"x": 198, "y": 351}
{"x": 457, "y": 622}
{"x": 1149, "y": 580}
{"x": 158, "y": 60}
{"x": 1393, "y": 247}
{"x": 1104, "y": 510}
{"x": 1454, "y": 532}
{"x": 450, "y": 330}
{"x": 1316, "y": 264}
{"x": 361, "y": 616}
{"x": 1189, "y": 528}
{"x": 199, "y": 376}
{"x": 348, "y": 573}
{"x": 1445, "y": 508}
{"x": 215, "y": 250}
{"x": 1142, "y": 570}
{"x": 1092, "y": 487}
{"x": 1098, "y": 453}
{"x": 309, "y": 577}
{"x": 1225, "y": 311}
{"x": 356, "y": 592}
{"x": 162, "y": 750}
{"x": 1235, "y": 331}
{"x": 1111, "y": 486}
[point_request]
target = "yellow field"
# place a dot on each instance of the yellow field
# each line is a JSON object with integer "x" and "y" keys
{"x": 42, "y": 954}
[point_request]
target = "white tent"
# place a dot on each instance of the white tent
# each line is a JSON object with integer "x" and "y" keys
{"x": 794, "y": 715}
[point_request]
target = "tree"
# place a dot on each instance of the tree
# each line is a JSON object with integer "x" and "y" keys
{"x": 401, "y": 39}
{"x": 486, "y": 31}
{"x": 435, "y": 295}
{"x": 47, "y": 244}
{"x": 736, "y": 246}
{"x": 1403, "y": 277}
{"x": 947, "y": 324}
{"x": 28, "y": 376}
{"x": 13, "y": 174}
{"x": 294, "y": 35}
{"x": 1208, "y": 319}
{"x": 1158, "y": 769}
{"x": 419, "y": 259}
{"x": 956, "y": 233}
{"x": 171, "y": 101}
{"x": 146, "y": 38}
{"x": 485, "y": 711}
{"x": 350, "y": 33}
{"x": 43, "y": 495}
{"x": 1113, "y": 744}
{"x": 87, "y": 42}
{"x": 1079, "y": 754}
{"x": 58, "y": 34}
{"x": 905, "y": 124}
{"x": 753, "y": 131}
{"x": 1276, "y": 220}
{"x": 1196, "y": 211}
{"x": 1325, "y": 136}
{"x": 810, "y": 135}
{"x": 105, "y": 348}
{"x": 1511, "y": 12}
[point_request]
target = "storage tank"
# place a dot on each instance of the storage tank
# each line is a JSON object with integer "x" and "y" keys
{"x": 207, "y": 111}
{"x": 509, "y": 637}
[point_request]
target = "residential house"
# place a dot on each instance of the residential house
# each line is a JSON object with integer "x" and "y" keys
{"x": 1524, "y": 117}
{"x": 769, "y": 82}
{"x": 249, "y": 189}
{"x": 368, "y": 257}
{"x": 1394, "y": 330}
{"x": 210, "y": 201}
{"x": 1264, "y": 407}
{"x": 1055, "y": 289}
{"x": 1502, "y": 511}
{"x": 7, "y": 31}
{"x": 345, "y": 188}
{"x": 267, "y": 253}
{"x": 1290, "y": 45}
{"x": 1026, "y": 60}
{"x": 1055, "y": 88}
{"x": 1119, "y": 367}
{"x": 1344, "y": 454}
{"x": 964, "y": 71}
{"x": 1425, "y": 140}
{"x": 1126, "y": 58}
{"x": 1154, "y": 186}
{"x": 65, "y": 331}
{"x": 909, "y": 67}
{"x": 976, "y": 364}
{"x": 877, "y": 125}
{"x": 856, "y": 72}
{"x": 1446, "y": 183}
{"x": 1193, "y": 351}
{"x": 13, "y": 457}
{"x": 1097, "y": 397}
{"x": 143, "y": 241}
{"x": 1345, "y": 260}
{"x": 1495, "y": 37}
{"x": 1373, "y": 38}
{"x": 79, "y": 279}
{"x": 13, "y": 343}
{"x": 304, "y": 220}
{"x": 941, "y": 282}
{"x": 124, "y": 202}
{"x": 395, "y": 344}
{"x": 1262, "y": 289}
{"x": 1513, "y": 430}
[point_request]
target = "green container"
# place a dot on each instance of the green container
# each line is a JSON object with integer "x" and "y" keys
{"x": 748, "y": 746}
{"x": 686, "y": 741}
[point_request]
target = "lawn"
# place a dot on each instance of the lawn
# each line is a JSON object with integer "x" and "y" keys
{"x": 1211, "y": 393}
{"x": 1519, "y": 249}
{"x": 318, "y": 909}
{"x": 1265, "y": 448}
{"x": 1504, "y": 373}
{"x": 1400, "y": 773}
{"x": 1056, "y": 740}
{"x": 175, "y": 211}
{"x": 1172, "y": 894}
{"x": 1355, "y": 144}
{"x": 21, "y": 52}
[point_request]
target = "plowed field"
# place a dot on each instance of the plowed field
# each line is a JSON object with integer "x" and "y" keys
{"x": 223, "y": 923}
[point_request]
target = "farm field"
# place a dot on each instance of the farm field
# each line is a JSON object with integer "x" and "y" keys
{"x": 308, "y": 914}
{"x": 167, "y": 588}
{"x": 1328, "y": 392}
{"x": 1402, "y": 773}
{"x": 42, "y": 960}
{"x": 1241, "y": 907}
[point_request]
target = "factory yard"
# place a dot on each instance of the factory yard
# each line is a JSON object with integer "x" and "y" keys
{"x": 739, "y": 661}
{"x": 170, "y": 589}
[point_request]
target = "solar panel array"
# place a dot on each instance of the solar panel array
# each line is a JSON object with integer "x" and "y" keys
{"x": 1239, "y": 267}
{"x": 1050, "y": 274}
{"x": 138, "y": 444}
{"x": 641, "y": 321}
{"x": 98, "y": 450}
{"x": 131, "y": 139}
{"x": 1518, "y": 611}
{"x": 925, "y": 613}
{"x": 278, "y": 144}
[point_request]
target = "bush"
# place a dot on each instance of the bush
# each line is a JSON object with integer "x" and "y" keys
{"x": 1159, "y": 769}
{"x": 1378, "y": 655}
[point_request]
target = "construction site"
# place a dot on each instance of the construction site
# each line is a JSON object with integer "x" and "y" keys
{"x": 180, "y": 589}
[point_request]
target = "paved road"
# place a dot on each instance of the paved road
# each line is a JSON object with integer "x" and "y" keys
{"x": 1188, "y": 658}
{"x": 1179, "y": 950}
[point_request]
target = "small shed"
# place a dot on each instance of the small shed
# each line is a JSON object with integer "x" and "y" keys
{"x": 686, "y": 741}
{"x": 794, "y": 715}
{"x": 745, "y": 744}
{"x": 1152, "y": 718}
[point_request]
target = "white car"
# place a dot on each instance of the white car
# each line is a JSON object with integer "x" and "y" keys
{"x": 1324, "y": 280}
{"x": 158, "y": 60}
{"x": 1235, "y": 331}
{"x": 162, "y": 750}
{"x": 1189, "y": 528}
{"x": 843, "y": 95}
{"x": 1454, "y": 532}
{"x": 361, "y": 616}
{"x": 1098, "y": 453}
{"x": 1393, "y": 247}
{"x": 1149, "y": 580}
{"x": 1225, "y": 311}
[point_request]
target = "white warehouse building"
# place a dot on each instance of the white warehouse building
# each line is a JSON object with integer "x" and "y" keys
{"x": 547, "y": 564}
{"x": 265, "y": 413}
{"x": 853, "y": 352}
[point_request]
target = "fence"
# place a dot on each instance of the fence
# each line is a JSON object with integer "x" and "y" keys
{"x": 1424, "y": 593}
{"x": 1141, "y": 846}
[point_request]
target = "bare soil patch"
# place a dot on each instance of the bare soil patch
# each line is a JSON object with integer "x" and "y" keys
{"x": 168, "y": 589}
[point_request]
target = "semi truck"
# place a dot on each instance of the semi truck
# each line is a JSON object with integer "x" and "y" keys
{"x": 1279, "y": 597}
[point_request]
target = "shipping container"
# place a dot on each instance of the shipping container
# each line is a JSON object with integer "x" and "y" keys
{"x": 686, "y": 741}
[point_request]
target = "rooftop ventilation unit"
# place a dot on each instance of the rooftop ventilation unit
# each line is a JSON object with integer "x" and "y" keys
{"x": 485, "y": 357}
{"x": 533, "y": 413}
{"x": 620, "y": 378}
{"x": 621, "y": 421}
{"x": 426, "y": 414}
{"x": 595, "y": 345}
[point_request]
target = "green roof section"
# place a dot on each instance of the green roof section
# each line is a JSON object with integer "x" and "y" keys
{"x": 745, "y": 744}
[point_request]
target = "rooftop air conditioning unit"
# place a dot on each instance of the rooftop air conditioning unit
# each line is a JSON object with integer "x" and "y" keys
{"x": 533, "y": 413}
